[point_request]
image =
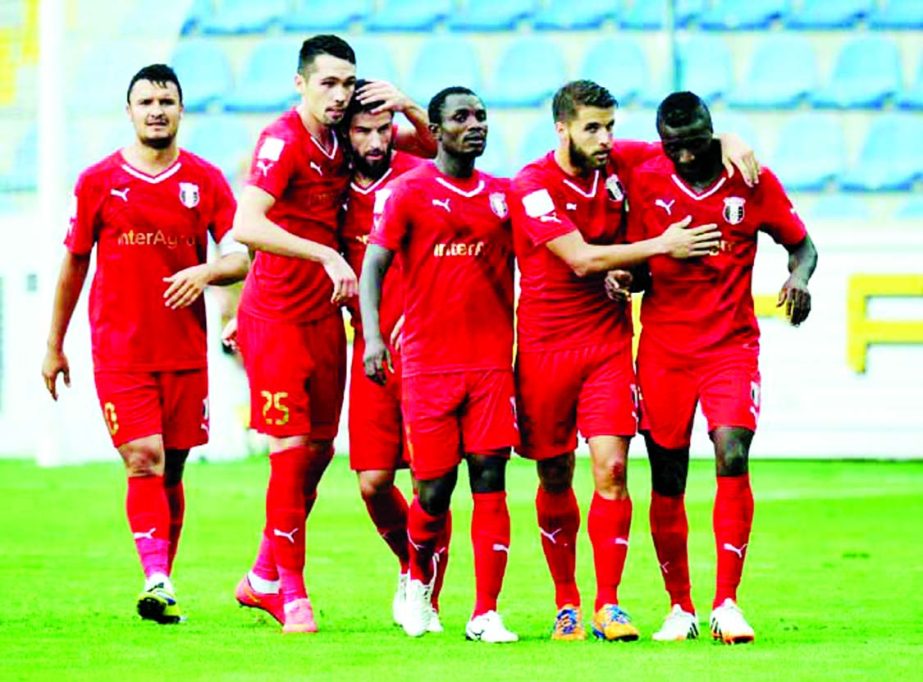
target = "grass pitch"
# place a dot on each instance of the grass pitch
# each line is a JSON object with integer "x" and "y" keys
{"x": 833, "y": 583}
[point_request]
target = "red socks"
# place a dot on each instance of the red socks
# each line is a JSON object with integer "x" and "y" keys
{"x": 176, "y": 501}
{"x": 423, "y": 532}
{"x": 388, "y": 511}
{"x": 149, "y": 520}
{"x": 558, "y": 522}
{"x": 670, "y": 531}
{"x": 490, "y": 537}
{"x": 608, "y": 525}
{"x": 285, "y": 517}
{"x": 732, "y": 519}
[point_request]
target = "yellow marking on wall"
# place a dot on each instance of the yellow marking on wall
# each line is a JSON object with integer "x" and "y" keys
{"x": 861, "y": 332}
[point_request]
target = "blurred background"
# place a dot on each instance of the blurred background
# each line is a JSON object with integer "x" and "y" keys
{"x": 828, "y": 92}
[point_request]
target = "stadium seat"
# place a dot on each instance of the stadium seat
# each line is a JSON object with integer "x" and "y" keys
{"x": 898, "y": 14}
{"x": 222, "y": 140}
{"x": 730, "y": 121}
{"x": 783, "y": 70}
{"x": 912, "y": 209}
{"x": 705, "y": 64}
{"x": 891, "y": 157}
{"x": 527, "y": 73}
{"x": 408, "y": 15}
{"x": 490, "y": 15}
{"x": 154, "y": 19}
{"x": 637, "y": 124}
{"x": 267, "y": 83}
{"x": 912, "y": 97}
{"x": 737, "y": 15}
{"x": 325, "y": 15}
{"x": 620, "y": 65}
{"x": 496, "y": 157}
{"x": 236, "y": 17}
{"x": 840, "y": 207}
{"x": 811, "y": 151}
{"x": 867, "y": 73}
{"x": 23, "y": 172}
{"x": 539, "y": 139}
{"x": 204, "y": 72}
{"x": 566, "y": 15}
{"x": 828, "y": 14}
{"x": 438, "y": 57}
{"x": 199, "y": 10}
{"x": 103, "y": 73}
{"x": 373, "y": 59}
{"x": 652, "y": 14}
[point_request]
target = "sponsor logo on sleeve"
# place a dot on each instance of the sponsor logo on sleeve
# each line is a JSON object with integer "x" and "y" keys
{"x": 271, "y": 149}
{"x": 538, "y": 203}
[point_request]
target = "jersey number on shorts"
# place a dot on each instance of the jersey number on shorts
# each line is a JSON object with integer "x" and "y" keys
{"x": 274, "y": 402}
{"x": 112, "y": 419}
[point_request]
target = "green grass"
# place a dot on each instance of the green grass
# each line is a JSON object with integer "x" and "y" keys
{"x": 833, "y": 583}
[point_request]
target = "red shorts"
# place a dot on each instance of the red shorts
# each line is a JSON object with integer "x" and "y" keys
{"x": 448, "y": 415}
{"x": 297, "y": 375}
{"x": 588, "y": 389}
{"x": 727, "y": 385}
{"x": 376, "y": 432}
{"x": 140, "y": 404}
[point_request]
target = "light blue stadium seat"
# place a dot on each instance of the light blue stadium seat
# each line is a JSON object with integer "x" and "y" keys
{"x": 898, "y": 14}
{"x": 203, "y": 71}
{"x": 828, "y": 14}
{"x": 638, "y": 124}
{"x": 235, "y": 17}
{"x": 440, "y": 62}
{"x": 912, "y": 97}
{"x": 912, "y": 209}
{"x": 867, "y": 73}
{"x": 783, "y": 70}
{"x": 811, "y": 151}
{"x": 222, "y": 140}
{"x": 23, "y": 173}
{"x": 199, "y": 10}
{"x": 840, "y": 207}
{"x": 527, "y": 73}
{"x": 731, "y": 121}
{"x": 892, "y": 156}
{"x": 408, "y": 15}
{"x": 325, "y": 15}
{"x": 538, "y": 140}
{"x": 705, "y": 63}
{"x": 620, "y": 65}
{"x": 652, "y": 14}
{"x": 102, "y": 77}
{"x": 496, "y": 157}
{"x": 490, "y": 15}
{"x": 736, "y": 15}
{"x": 267, "y": 83}
{"x": 373, "y": 59}
{"x": 155, "y": 19}
{"x": 567, "y": 15}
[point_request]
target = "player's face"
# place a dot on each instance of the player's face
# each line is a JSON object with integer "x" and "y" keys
{"x": 589, "y": 137}
{"x": 155, "y": 111}
{"x": 370, "y": 137}
{"x": 326, "y": 88}
{"x": 689, "y": 147}
{"x": 463, "y": 131}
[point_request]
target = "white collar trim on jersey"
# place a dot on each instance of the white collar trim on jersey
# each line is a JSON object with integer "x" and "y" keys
{"x": 323, "y": 151}
{"x": 467, "y": 195}
{"x": 576, "y": 188}
{"x": 153, "y": 179}
{"x": 698, "y": 197}
{"x": 371, "y": 188}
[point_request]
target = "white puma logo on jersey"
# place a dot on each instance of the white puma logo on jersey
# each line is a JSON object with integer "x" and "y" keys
{"x": 149, "y": 535}
{"x": 264, "y": 165}
{"x": 570, "y": 206}
{"x": 500, "y": 548}
{"x": 320, "y": 171}
{"x": 738, "y": 551}
{"x": 663, "y": 567}
{"x": 668, "y": 207}
{"x": 120, "y": 193}
{"x": 549, "y": 218}
{"x": 551, "y": 536}
{"x": 444, "y": 204}
{"x": 290, "y": 535}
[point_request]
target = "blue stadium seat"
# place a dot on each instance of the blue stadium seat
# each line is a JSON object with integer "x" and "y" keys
{"x": 912, "y": 97}
{"x": 811, "y": 151}
{"x": 912, "y": 210}
{"x": 652, "y": 14}
{"x": 737, "y": 15}
{"x": 620, "y": 65}
{"x": 730, "y": 121}
{"x": 373, "y": 59}
{"x": 567, "y": 15}
{"x": 23, "y": 173}
{"x": 437, "y": 58}
{"x": 496, "y": 157}
{"x": 325, "y": 15}
{"x": 154, "y": 19}
{"x": 267, "y": 82}
{"x": 892, "y": 156}
{"x": 539, "y": 139}
{"x": 840, "y": 207}
{"x": 222, "y": 140}
{"x": 828, "y": 14}
{"x": 236, "y": 17}
{"x": 106, "y": 71}
{"x": 867, "y": 73}
{"x": 783, "y": 70}
{"x": 898, "y": 14}
{"x": 705, "y": 64}
{"x": 637, "y": 124}
{"x": 490, "y": 15}
{"x": 204, "y": 72}
{"x": 528, "y": 72}
{"x": 199, "y": 10}
{"x": 408, "y": 15}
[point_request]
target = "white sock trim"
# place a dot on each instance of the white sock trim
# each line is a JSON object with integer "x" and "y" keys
{"x": 262, "y": 585}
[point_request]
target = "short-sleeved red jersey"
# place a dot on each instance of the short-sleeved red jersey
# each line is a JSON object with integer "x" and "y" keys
{"x": 357, "y": 224}
{"x": 309, "y": 184}
{"x": 455, "y": 243}
{"x": 146, "y": 228}
{"x": 706, "y": 304}
{"x": 558, "y": 309}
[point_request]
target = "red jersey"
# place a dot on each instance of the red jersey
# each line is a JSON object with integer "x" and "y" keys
{"x": 146, "y": 228}
{"x": 454, "y": 240}
{"x": 704, "y": 304}
{"x": 558, "y": 309}
{"x": 309, "y": 184}
{"x": 357, "y": 223}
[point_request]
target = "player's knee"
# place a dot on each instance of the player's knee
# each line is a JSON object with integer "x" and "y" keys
{"x": 487, "y": 473}
{"x": 732, "y": 451}
{"x": 610, "y": 476}
{"x": 374, "y": 483}
{"x": 556, "y": 474}
{"x": 143, "y": 460}
{"x": 434, "y": 496}
{"x": 669, "y": 469}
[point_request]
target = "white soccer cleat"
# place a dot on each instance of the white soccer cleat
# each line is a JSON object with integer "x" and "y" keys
{"x": 728, "y": 624}
{"x": 435, "y": 625}
{"x": 399, "y": 604}
{"x": 418, "y": 608}
{"x": 488, "y": 627}
{"x": 678, "y": 626}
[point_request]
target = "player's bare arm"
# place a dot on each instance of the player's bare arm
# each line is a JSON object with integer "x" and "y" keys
{"x": 253, "y": 229}
{"x": 736, "y": 152}
{"x": 185, "y": 286}
{"x": 374, "y": 267}
{"x": 419, "y": 141}
{"x": 70, "y": 283}
{"x": 802, "y": 259}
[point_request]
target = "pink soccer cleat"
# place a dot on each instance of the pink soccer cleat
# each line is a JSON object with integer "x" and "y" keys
{"x": 269, "y": 602}
{"x": 299, "y": 617}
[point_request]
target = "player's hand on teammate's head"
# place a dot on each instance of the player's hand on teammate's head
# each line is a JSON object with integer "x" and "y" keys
{"x": 618, "y": 285}
{"x": 377, "y": 360}
{"x": 390, "y": 97}
{"x": 345, "y": 282}
{"x": 185, "y": 286}
{"x": 796, "y": 298}
{"x": 55, "y": 363}
{"x": 737, "y": 153}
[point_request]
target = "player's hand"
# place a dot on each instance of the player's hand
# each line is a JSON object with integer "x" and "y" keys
{"x": 681, "y": 241}
{"x": 796, "y": 298}
{"x": 229, "y": 335}
{"x": 55, "y": 363}
{"x": 736, "y": 152}
{"x": 377, "y": 360}
{"x": 345, "y": 282}
{"x": 397, "y": 333}
{"x": 390, "y": 97}
{"x": 186, "y": 286}
{"x": 618, "y": 286}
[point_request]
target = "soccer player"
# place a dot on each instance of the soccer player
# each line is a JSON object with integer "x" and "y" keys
{"x": 574, "y": 367}
{"x": 700, "y": 344}
{"x": 449, "y": 224}
{"x": 149, "y": 209}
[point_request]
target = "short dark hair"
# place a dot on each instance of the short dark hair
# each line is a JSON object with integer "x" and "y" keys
{"x": 324, "y": 44}
{"x": 680, "y": 109}
{"x": 434, "y": 110}
{"x": 357, "y": 107}
{"x": 582, "y": 93}
{"x": 155, "y": 73}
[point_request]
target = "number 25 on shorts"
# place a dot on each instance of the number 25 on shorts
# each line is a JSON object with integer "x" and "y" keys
{"x": 273, "y": 402}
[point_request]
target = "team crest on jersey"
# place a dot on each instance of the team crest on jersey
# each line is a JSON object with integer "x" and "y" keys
{"x": 614, "y": 188}
{"x": 734, "y": 210}
{"x": 189, "y": 194}
{"x": 498, "y": 204}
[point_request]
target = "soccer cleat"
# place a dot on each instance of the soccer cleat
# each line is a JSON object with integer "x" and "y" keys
{"x": 728, "y": 624}
{"x": 435, "y": 625}
{"x": 299, "y": 617}
{"x": 678, "y": 626}
{"x": 488, "y": 627}
{"x": 400, "y": 599}
{"x": 269, "y": 602}
{"x": 418, "y": 608}
{"x": 568, "y": 625}
{"x": 613, "y": 625}
{"x": 158, "y": 604}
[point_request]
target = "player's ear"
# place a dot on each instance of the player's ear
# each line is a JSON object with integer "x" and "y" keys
{"x": 300, "y": 83}
{"x": 561, "y": 130}
{"x": 435, "y": 130}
